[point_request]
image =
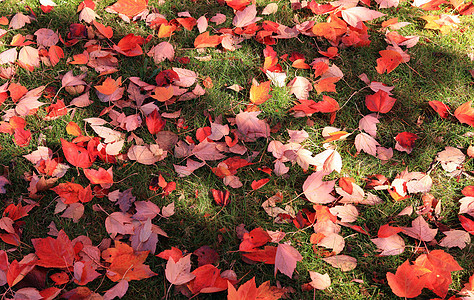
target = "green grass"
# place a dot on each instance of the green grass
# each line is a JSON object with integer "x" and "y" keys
{"x": 437, "y": 70}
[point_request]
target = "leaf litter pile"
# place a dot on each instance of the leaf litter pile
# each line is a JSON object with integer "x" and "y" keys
{"x": 222, "y": 147}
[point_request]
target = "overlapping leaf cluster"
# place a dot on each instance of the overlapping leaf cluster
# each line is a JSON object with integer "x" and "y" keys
{"x": 131, "y": 228}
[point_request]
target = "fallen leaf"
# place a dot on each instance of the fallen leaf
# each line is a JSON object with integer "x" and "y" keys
{"x": 286, "y": 259}
{"x": 420, "y": 230}
{"x": 319, "y": 281}
{"x": 343, "y": 262}
{"x": 179, "y": 272}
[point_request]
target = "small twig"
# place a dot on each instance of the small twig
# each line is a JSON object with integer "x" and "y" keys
{"x": 414, "y": 71}
{"x": 352, "y": 95}
{"x": 126, "y": 177}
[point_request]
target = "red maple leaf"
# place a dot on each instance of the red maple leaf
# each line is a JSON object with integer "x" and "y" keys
{"x": 54, "y": 253}
{"x": 253, "y": 239}
{"x": 76, "y": 155}
{"x": 154, "y": 122}
{"x": 389, "y": 61}
{"x": 408, "y": 281}
{"x": 380, "y": 102}
{"x": 130, "y": 45}
{"x": 208, "y": 280}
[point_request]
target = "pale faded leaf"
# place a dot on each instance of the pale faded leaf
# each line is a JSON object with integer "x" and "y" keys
{"x": 392, "y": 245}
{"x": 270, "y": 9}
{"x": 319, "y": 281}
{"x": 366, "y": 143}
{"x": 178, "y": 273}
{"x": 369, "y": 124}
{"x": 317, "y": 190}
{"x": 343, "y": 262}
{"x": 286, "y": 259}
{"x": 118, "y": 290}
{"x": 455, "y": 238}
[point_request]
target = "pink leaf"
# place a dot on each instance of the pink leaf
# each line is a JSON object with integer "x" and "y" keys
{"x": 300, "y": 87}
{"x": 162, "y": 51}
{"x": 246, "y": 17}
{"x": 286, "y": 258}
{"x": 366, "y": 143}
{"x": 391, "y": 245}
{"x": 251, "y": 127}
{"x": 358, "y": 14}
{"x": 46, "y": 37}
{"x": 369, "y": 124}
{"x": 420, "y": 230}
{"x": 29, "y": 57}
{"x": 317, "y": 190}
{"x": 118, "y": 290}
{"x": 178, "y": 273}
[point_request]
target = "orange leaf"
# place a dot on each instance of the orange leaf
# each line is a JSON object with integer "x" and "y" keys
{"x": 22, "y": 137}
{"x": 154, "y": 122}
{"x": 346, "y": 184}
{"x": 16, "y": 91}
{"x": 17, "y": 122}
{"x": 331, "y": 53}
{"x": 205, "y": 40}
{"x": 163, "y": 93}
{"x": 187, "y": 23}
{"x": 387, "y": 230}
{"x": 328, "y": 105}
{"x": 3, "y": 21}
{"x": 221, "y": 197}
{"x": 379, "y": 102}
{"x": 60, "y": 278}
{"x": 73, "y": 129}
{"x": 99, "y": 176}
{"x": 326, "y": 85}
{"x": 440, "y": 264}
{"x": 300, "y": 64}
{"x": 130, "y": 45}
{"x": 259, "y": 93}
{"x": 467, "y": 224}
{"x": 266, "y": 255}
{"x": 320, "y": 68}
{"x": 109, "y": 86}
{"x": 237, "y": 4}
{"x": 389, "y": 61}
{"x": 208, "y": 83}
{"x": 130, "y": 8}
{"x": 72, "y": 192}
{"x": 56, "y": 110}
{"x": 125, "y": 263}
{"x": 247, "y": 290}
{"x": 166, "y": 30}
{"x": 253, "y": 239}
{"x": 336, "y": 27}
{"x": 408, "y": 281}
{"x": 468, "y": 191}
{"x": 105, "y": 31}
{"x": 465, "y": 113}
{"x": 80, "y": 59}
